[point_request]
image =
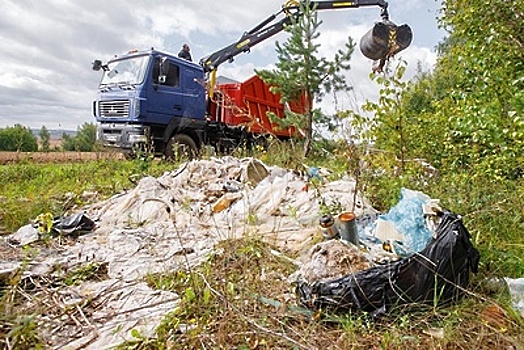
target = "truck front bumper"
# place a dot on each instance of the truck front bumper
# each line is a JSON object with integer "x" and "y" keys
{"x": 124, "y": 136}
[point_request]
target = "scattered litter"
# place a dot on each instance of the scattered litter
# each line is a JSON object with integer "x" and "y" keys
{"x": 173, "y": 222}
{"x": 255, "y": 171}
{"x": 115, "y": 309}
{"x": 75, "y": 224}
{"x": 328, "y": 260}
{"x": 437, "y": 333}
{"x": 347, "y": 224}
{"x": 45, "y": 224}
{"x": 225, "y": 201}
{"x": 406, "y": 229}
{"x": 408, "y": 221}
{"x": 327, "y": 227}
{"x": 23, "y": 236}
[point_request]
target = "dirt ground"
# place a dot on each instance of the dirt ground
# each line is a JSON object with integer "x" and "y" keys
{"x": 55, "y": 157}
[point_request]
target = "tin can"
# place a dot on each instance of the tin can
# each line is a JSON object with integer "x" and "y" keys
{"x": 327, "y": 227}
{"x": 347, "y": 226}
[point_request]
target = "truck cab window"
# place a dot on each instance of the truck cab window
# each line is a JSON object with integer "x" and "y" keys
{"x": 130, "y": 71}
{"x": 173, "y": 74}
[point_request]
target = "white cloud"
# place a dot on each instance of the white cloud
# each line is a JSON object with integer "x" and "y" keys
{"x": 48, "y": 46}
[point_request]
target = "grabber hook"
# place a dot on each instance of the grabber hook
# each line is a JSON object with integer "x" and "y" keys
{"x": 385, "y": 39}
{"x": 384, "y": 14}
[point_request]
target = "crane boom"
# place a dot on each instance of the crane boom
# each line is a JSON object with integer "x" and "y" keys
{"x": 266, "y": 29}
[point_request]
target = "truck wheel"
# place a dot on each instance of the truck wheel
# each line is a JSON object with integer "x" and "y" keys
{"x": 180, "y": 147}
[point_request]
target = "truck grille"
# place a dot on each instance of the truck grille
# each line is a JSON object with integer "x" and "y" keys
{"x": 114, "y": 109}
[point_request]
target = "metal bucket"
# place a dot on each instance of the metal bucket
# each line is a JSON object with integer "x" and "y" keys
{"x": 385, "y": 39}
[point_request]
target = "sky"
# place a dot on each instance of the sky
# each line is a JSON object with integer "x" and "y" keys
{"x": 48, "y": 46}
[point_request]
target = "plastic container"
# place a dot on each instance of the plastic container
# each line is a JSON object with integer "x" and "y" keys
{"x": 225, "y": 201}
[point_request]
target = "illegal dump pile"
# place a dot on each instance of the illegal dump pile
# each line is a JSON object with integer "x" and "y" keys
{"x": 172, "y": 223}
{"x": 166, "y": 224}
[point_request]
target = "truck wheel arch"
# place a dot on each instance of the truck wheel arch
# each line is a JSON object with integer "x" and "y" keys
{"x": 185, "y": 143}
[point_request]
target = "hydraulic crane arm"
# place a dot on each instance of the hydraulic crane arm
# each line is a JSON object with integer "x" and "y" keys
{"x": 291, "y": 11}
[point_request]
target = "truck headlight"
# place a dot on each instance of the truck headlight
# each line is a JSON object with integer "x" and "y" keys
{"x": 135, "y": 138}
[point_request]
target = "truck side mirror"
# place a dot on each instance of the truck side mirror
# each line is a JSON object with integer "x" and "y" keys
{"x": 97, "y": 65}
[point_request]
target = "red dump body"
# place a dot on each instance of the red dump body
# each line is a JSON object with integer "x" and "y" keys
{"x": 248, "y": 103}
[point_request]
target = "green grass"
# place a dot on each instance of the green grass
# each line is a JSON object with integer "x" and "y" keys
{"x": 29, "y": 189}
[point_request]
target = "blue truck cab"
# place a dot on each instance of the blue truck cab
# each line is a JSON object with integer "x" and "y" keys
{"x": 148, "y": 98}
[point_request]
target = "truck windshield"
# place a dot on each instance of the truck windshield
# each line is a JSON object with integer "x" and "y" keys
{"x": 128, "y": 71}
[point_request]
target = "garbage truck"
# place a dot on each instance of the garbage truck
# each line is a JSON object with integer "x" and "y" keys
{"x": 155, "y": 100}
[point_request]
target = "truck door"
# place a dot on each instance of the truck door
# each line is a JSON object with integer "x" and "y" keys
{"x": 177, "y": 93}
{"x": 165, "y": 98}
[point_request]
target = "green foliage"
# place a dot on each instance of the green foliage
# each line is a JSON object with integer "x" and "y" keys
{"x": 388, "y": 128}
{"x": 24, "y": 334}
{"x": 83, "y": 141}
{"x": 44, "y": 222}
{"x": 17, "y": 139}
{"x": 302, "y": 75}
{"x": 45, "y": 138}
{"x": 284, "y": 154}
{"x": 471, "y": 106}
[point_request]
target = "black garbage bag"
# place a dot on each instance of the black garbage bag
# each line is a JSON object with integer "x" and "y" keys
{"x": 73, "y": 225}
{"x": 439, "y": 273}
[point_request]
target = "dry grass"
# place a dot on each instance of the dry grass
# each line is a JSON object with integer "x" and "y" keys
{"x": 241, "y": 299}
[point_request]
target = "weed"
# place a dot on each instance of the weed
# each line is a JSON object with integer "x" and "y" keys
{"x": 220, "y": 298}
{"x": 94, "y": 270}
{"x": 23, "y": 334}
{"x": 132, "y": 223}
{"x": 186, "y": 203}
{"x": 251, "y": 219}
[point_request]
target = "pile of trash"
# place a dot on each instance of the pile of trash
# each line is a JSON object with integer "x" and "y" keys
{"x": 439, "y": 273}
{"x": 415, "y": 253}
{"x": 367, "y": 260}
{"x": 167, "y": 224}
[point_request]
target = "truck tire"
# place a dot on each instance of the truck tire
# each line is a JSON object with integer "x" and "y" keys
{"x": 181, "y": 146}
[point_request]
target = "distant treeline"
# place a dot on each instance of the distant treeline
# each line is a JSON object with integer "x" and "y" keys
{"x": 19, "y": 138}
{"x": 55, "y": 134}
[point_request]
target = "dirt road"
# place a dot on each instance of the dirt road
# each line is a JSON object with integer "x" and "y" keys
{"x": 56, "y": 157}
